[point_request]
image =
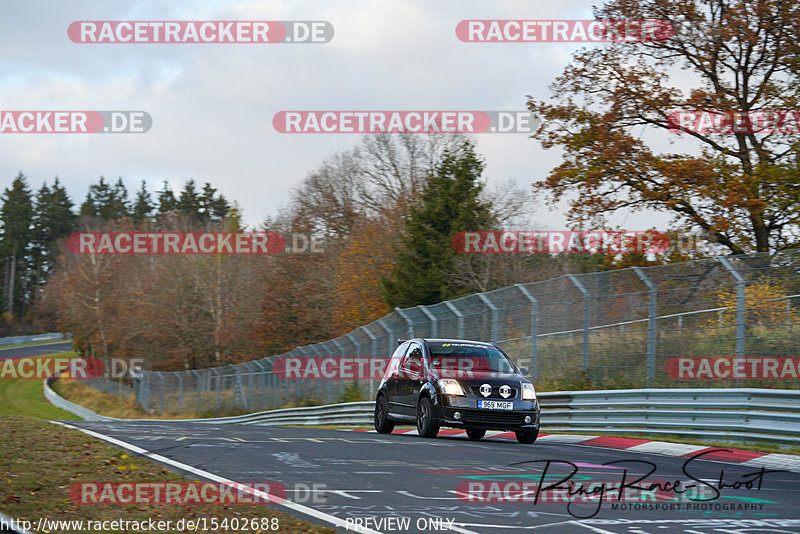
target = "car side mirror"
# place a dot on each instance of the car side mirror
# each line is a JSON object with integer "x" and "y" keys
{"x": 524, "y": 371}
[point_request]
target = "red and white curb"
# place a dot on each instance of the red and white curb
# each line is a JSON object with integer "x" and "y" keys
{"x": 768, "y": 460}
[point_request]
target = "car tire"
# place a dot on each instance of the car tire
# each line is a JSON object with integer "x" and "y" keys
{"x": 527, "y": 436}
{"x": 476, "y": 433}
{"x": 426, "y": 426}
{"x": 382, "y": 423}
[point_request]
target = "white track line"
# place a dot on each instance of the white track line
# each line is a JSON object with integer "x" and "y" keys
{"x": 216, "y": 478}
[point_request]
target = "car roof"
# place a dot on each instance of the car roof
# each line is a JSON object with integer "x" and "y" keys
{"x": 439, "y": 340}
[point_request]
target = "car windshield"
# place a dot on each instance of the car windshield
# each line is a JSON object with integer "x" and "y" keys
{"x": 448, "y": 357}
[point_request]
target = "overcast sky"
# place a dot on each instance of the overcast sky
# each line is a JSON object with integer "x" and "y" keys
{"x": 212, "y": 104}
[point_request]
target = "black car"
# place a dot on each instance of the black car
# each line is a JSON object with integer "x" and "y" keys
{"x": 459, "y": 384}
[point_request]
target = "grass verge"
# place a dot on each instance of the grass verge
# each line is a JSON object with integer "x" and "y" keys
{"x": 104, "y": 403}
{"x": 14, "y": 346}
{"x": 25, "y": 397}
{"x": 41, "y": 461}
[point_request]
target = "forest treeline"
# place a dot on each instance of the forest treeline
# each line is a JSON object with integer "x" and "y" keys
{"x": 385, "y": 212}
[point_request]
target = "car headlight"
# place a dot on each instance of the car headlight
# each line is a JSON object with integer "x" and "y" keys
{"x": 528, "y": 393}
{"x": 450, "y": 387}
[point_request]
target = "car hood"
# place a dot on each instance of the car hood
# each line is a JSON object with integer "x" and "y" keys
{"x": 478, "y": 378}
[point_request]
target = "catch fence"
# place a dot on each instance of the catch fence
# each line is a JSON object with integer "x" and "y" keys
{"x": 726, "y": 322}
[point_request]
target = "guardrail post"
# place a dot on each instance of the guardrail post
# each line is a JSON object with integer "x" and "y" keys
{"x": 740, "y": 305}
{"x": 453, "y": 308}
{"x": 373, "y": 342}
{"x": 434, "y": 321}
{"x": 586, "y": 297}
{"x": 493, "y": 335}
{"x": 534, "y": 325}
{"x": 651, "y": 324}
{"x": 408, "y": 322}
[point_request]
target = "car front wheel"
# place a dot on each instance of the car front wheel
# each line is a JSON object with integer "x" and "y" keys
{"x": 527, "y": 436}
{"x": 426, "y": 426}
{"x": 382, "y": 423}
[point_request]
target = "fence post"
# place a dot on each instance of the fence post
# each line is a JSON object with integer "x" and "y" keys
{"x": 251, "y": 405}
{"x": 534, "y": 326}
{"x": 651, "y": 324}
{"x": 434, "y": 321}
{"x": 143, "y": 395}
{"x": 180, "y": 391}
{"x": 373, "y": 342}
{"x": 262, "y": 372}
{"x": 740, "y": 305}
{"x": 586, "y": 296}
{"x": 341, "y": 351}
{"x": 197, "y": 387}
{"x": 318, "y": 383}
{"x": 163, "y": 387}
{"x": 357, "y": 351}
{"x": 408, "y": 322}
{"x": 453, "y": 308}
{"x": 389, "y": 333}
{"x": 219, "y": 389}
{"x": 493, "y": 335}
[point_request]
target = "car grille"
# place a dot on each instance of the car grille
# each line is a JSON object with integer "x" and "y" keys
{"x": 476, "y": 390}
{"x": 496, "y": 418}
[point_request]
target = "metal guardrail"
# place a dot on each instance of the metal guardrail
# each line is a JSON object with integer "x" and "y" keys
{"x": 38, "y": 338}
{"x": 710, "y": 413}
{"x": 75, "y": 409}
{"x": 720, "y": 414}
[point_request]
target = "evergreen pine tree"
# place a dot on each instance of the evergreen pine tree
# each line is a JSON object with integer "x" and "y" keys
{"x": 189, "y": 200}
{"x": 142, "y": 206}
{"x": 449, "y": 203}
{"x": 166, "y": 199}
{"x": 16, "y": 215}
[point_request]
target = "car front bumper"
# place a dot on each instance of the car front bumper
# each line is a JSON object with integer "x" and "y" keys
{"x": 473, "y": 417}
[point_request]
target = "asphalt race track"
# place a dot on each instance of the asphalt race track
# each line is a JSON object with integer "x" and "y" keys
{"x": 369, "y": 477}
{"x": 31, "y": 351}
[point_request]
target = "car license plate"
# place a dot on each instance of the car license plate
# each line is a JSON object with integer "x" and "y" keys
{"x": 495, "y": 405}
